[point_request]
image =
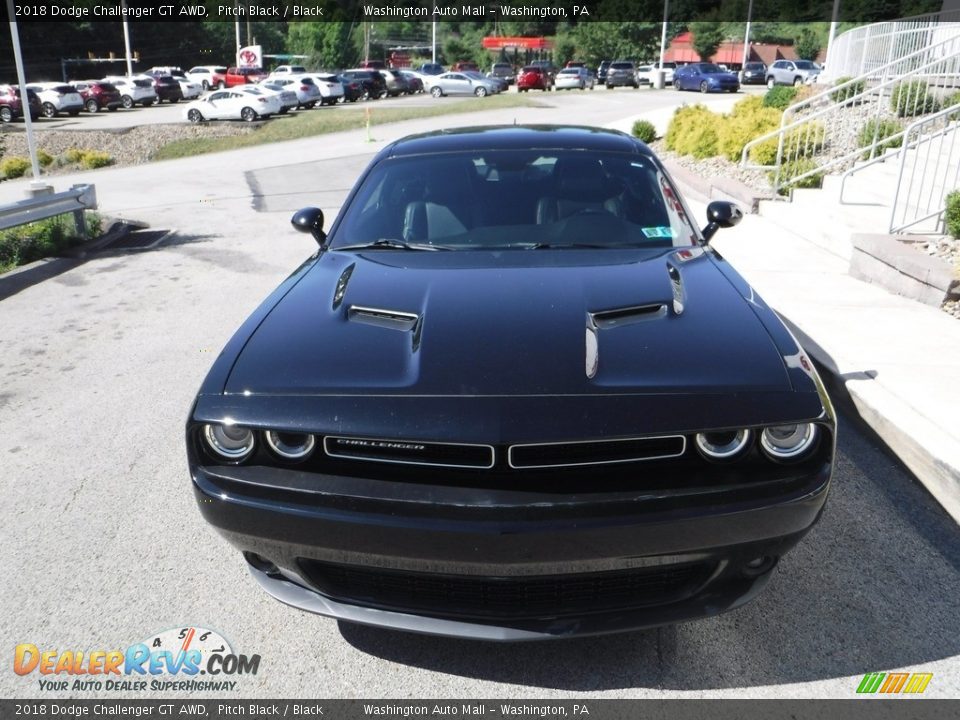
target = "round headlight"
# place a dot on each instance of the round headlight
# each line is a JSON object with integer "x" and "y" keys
{"x": 292, "y": 446}
{"x": 230, "y": 442}
{"x": 723, "y": 445}
{"x": 788, "y": 442}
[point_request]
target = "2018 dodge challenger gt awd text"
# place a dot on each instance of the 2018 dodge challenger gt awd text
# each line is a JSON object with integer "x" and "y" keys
{"x": 514, "y": 395}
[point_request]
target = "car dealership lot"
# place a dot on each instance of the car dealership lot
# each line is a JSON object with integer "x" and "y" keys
{"x": 105, "y": 546}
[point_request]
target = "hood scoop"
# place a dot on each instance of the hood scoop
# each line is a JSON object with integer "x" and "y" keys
{"x": 378, "y": 317}
{"x": 606, "y": 319}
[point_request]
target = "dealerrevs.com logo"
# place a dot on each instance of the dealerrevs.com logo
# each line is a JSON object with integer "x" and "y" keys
{"x": 179, "y": 659}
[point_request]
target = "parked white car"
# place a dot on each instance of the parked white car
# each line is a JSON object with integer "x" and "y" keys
{"x": 331, "y": 90}
{"x": 209, "y": 76}
{"x": 287, "y": 71}
{"x": 56, "y": 98}
{"x": 134, "y": 91}
{"x": 232, "y": 104}
{"x": 191, "y": 90}
{"x": 288, "y": 98}
{"x": 308, "y": 94}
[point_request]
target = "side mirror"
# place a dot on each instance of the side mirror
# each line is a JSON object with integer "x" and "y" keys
{"x": 310, "y": 220}
{"x": 721, "y": 214}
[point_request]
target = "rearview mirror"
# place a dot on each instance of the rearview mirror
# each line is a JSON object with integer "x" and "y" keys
{"x": 310, "y": 219}
{"x": 721, "y": 214}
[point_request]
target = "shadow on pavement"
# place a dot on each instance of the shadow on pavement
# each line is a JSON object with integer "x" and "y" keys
{"x": 874, "y": 586}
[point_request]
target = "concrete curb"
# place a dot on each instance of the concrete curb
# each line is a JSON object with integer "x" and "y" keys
{"x": 929, "y": 453}
{"x": 889, "y": 262}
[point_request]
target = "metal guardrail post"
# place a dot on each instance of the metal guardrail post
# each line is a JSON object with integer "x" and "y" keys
{"x": 74, "y": 201}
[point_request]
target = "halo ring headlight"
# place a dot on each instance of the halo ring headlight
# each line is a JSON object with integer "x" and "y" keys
{"x": 723, "y": 445}
{"x": 229, "y": 442}
{"x": 788, "y": 442}
{"x": 290, "y": 446}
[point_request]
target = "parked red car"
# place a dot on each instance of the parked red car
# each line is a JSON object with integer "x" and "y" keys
{"x": 533, "y": 77}
{"x": 11, "y": 107}
{"x": 244, "y": 76}
{"x": 98, "y": 95}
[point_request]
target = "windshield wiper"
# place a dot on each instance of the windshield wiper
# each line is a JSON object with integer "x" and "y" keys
{"x": 554, "y": 246}
{"x": 391, "y": 244}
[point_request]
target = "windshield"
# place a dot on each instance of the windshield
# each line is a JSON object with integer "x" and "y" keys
{"x": 710, "y": 68}
{"x": 516, "y": 199}
{"x": 805, "y": 65}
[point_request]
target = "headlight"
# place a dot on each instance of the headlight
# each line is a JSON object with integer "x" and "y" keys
{"x": 723, "y": 445}
{"x": 291, "y": 446}
{"x": 788, "y": 442}
{"x": 229, "y": 442}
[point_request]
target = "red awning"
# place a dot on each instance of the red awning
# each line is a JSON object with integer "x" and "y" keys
{"x": 524, "y": 43}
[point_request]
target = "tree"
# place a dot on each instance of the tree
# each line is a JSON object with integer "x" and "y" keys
{"x": 327, "y": 43}
{"x": 707, "y": 37}
{"x": 807, "y": 44}
{"x": 598, "y": 41}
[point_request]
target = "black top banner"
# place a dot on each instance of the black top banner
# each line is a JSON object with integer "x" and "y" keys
{"x": 572, "y": 11}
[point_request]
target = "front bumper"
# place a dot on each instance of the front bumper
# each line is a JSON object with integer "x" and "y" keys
{"x": 503, "y": 564}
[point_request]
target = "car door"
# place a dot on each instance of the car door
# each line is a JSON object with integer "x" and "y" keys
{"x": 219, "y": 104}
{"x": 459, "y": 84}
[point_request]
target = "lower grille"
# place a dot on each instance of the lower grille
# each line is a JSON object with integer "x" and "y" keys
{"x": 455, "y": 596}
{"x": 595, "y": 452}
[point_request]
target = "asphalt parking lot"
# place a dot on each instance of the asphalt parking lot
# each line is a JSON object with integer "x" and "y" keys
{"x": 101, "y": 357}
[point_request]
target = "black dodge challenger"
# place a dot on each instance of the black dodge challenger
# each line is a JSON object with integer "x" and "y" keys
{"x": 514, "y": 395}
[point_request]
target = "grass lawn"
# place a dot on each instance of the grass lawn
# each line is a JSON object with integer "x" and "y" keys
{"x": 328, "y": 120}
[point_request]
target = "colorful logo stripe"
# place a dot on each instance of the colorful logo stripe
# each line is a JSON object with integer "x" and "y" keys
{"x": 893, "y": 683}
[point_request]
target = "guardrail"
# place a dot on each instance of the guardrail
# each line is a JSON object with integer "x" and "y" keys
{"x": 75, "y": 200}
{"x": 934, "y": 172}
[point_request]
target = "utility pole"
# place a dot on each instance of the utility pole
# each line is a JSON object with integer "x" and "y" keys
{"x": 126, "y": 39}
{"x": 37, "y": 186}
{"x": 746, "y": 37}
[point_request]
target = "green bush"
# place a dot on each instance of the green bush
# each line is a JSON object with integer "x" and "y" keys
{"x": 950, "y": 101}
{"x": 93, "y": 159}
{"x": 44, "y": 158}
{"x": 879, "y": 128}
{"x": 645, "y": 131}
{"x": 26, "y": 243}
{"x": 743, "y": 125}
{"x": 74, "y": 155}
{"x": 792, "y": 169}
{"x": 951, "y": 215}
{"x": 801, "y": 142}
{"x": 848, "y": 92}
{"x": 912, "y": 98}
{"x": 14, "y": 167}
{"x": 693, "y": 131}
{"x": 779, "y": 97}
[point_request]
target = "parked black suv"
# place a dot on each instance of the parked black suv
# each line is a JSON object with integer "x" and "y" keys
{"x": 373, "y": 84}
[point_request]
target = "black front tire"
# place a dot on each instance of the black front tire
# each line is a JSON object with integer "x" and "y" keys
{"x": 127, "y": 101}
{"x": 195, "y": 116}
{"x": 48, "y": 110}
{"x": 248, "y": 114}
{"x": 92, "y": 106}
{"x": 6, "y": 115}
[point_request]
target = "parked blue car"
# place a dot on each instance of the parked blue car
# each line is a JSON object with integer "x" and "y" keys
{"x": 705, "y": 77}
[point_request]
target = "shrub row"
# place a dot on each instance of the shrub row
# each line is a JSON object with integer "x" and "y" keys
{"x": 952, "y": 214}
{"x": 14, "y": 167}
{"x": 26, "y": 243}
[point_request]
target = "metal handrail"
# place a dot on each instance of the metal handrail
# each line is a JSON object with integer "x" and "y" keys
{"x": 904, "y": 147}
{"x": 946, "y": 64}
{"x": 933, "y": 198}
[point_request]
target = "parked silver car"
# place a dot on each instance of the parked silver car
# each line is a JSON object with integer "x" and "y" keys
{"x": 792, "y": 72}
{"x": 457, "y": 83}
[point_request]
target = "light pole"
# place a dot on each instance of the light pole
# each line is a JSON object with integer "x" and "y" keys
{"x": 37, "y": 186}
{"x": 663, "y": 45}
{"x": 126, "y": 39}
{"x": 746, "y": 37}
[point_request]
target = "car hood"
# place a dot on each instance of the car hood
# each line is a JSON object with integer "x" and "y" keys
{"x": 519, "y": 322}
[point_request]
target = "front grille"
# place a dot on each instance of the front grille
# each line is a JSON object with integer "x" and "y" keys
{"x": 456, "y": 596}
{"x": 595, "y": 452}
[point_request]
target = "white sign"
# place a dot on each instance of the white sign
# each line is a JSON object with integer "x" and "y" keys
{"x": 250, "y": 57}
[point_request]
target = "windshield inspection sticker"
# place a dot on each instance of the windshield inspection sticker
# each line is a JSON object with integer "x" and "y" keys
{"x": 658, "y": 232}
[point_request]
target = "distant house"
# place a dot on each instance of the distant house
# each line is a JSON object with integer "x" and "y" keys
{"x": 730, "y": 53}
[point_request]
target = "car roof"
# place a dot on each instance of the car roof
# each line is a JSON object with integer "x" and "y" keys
{"x": 518, "y": 137}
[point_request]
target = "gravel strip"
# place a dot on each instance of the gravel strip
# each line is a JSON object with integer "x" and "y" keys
{"x": 127, "y": 146}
